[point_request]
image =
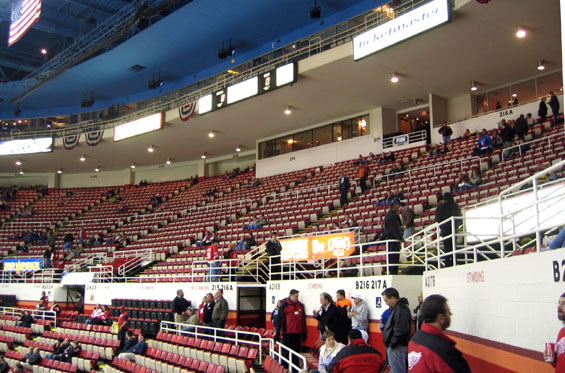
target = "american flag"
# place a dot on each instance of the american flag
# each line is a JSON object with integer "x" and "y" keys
{"x": 24, "y": 14}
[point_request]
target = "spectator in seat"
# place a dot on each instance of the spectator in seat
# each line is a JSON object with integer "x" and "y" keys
{"x": 445, "y": 131}
{"x": 463, "y": 183}
{"x": 246, "y": 243}
{"x": 542, "y": 110}
{"x": 221, "y": 310}
{"x": 68, "y": 242}
{"x": 329, "y": 317}
{"x": 554, "y": 105}
{"x": 558, "y": 241}
{"x": 73, "y": 350}
{"x": 26, "y": 320}
{"x": 431, "y": 350}
{"x": 4, "y": 367}
{"x": 393, "y": 231}
{"x": 259, "y": 222}
{"x": 327, "y": 352}
{"x": 386, "y": 200}
{"x": 59, "y": 348}
{"x": 96, "y": 313}
{"x": 476, "y": 177}
{"x": 254, "y": 182}
{"x": 138, "y": 349}
{"x": 193, "y": 320}
{"x": 357, "y": 357}
{"x": 521, "y": 127}
{"x": 396, "y": 332}
{"x": 348, "y": 268}
{"x": 131, "y": 340}
{"x": 467, "y": 133}
{"x": 29, "y": 360}
{"x": 273, "y": 249}
{"x": 103, "y": 318}
{"x": 208, "y": 309}
{"x": 180, "y": 305}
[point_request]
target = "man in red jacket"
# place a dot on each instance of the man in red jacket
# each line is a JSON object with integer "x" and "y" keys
{"x": 559, "y": 353}
{"x": 357, "y": 357}
{"x": 291, "y": 323}
{"x": 430, "y": 350}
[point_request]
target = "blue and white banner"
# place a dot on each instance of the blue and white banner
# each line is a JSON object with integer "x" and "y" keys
{"x": 93, "y": 138}
{"x": 22, "y": 265}
{"x": 70, "y": 142}
{"x": 186, "y": 111}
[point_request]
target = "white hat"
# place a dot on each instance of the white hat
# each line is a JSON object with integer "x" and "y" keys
{"x": 358, "y": 296}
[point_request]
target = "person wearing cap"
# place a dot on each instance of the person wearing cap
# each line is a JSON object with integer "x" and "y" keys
{"x": 357, "y": 357}
{"x": 291, "y": 322}
{"x": 430, "y": 349}
{"x": 393, "y": 231}
{"x": 445, "y": 211}
{"x": 193, "y": 319}
{"x": 123, "y": 325}
{"x": 359, "y": 313}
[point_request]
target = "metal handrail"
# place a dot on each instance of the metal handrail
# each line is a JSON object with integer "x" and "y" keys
{"x": 35, "y": 313}
{"x": 519, "y": 146}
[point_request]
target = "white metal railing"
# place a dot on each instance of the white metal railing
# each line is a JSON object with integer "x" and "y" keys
{"x": 518, "y": 148}
{"x": 161, "y": 104}
{"x": 288, "y": 357}
{"x": 404, "y": 139}
{"x": 44, "y": 275}
{"x": 35, "y": 313}
{"x": 85, "y": 261}
{"x": 237, "y": 337}
{"x": 296, "y": 192}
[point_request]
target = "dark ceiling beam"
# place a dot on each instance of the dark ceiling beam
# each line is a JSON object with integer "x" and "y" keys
{"x": 51, "y": 22}
{"x": 106, "y": 12}
{"x": 17, "y": 66}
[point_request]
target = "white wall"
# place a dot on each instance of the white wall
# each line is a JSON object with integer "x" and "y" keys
{"x": 92, "y": 179}
{"x": 24, "y": 180}
{"x": 511, "y": 300}
{"x": 241, "y": 161}
{"x": 459, "y": 107}
{"x": 369, "y": 287}
{"x": 490, "y": 121}
{"x": 32, "y": 292}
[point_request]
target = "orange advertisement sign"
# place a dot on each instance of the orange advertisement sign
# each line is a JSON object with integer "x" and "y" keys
{"x": 311, "y": 247}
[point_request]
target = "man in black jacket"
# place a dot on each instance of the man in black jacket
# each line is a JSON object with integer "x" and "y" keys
{"x": 393, "y": 231}
{"x": 396, "y": 332}
{"x": 330, "y": 318}
{"x": 208, "y": 309}
{"x": 274, "y": 249}
{"x": 180, "y": 304}
{"x": 444, "y": 211}
{"x": 344, "y": 186}
{"x": 33, "y": 358}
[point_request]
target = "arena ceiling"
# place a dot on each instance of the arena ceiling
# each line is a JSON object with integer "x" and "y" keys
{"x": 478, "y": 45}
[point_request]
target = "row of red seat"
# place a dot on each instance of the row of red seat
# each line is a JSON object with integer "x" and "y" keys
{"x": 112, "y": 343}
{"x": 48, "y": 363}
{"x": 128, "y": 366}
{"x": 272, "y": 366}
{"x": 16, "y": 329}
{"x": 184, "y": 361}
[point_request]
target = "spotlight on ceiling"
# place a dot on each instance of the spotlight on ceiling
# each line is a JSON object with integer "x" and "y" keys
{"x": 521, "y": 32}
{"x": 150, "y": 149}
{"x": 155, "y": 83}
{"x": 203, "y": 155}
{"x": 474, "y": 86}
{"x": 59, "y": 171}
{"x": 211, "y": 134}
{"x": 168, "y": 161}
{"x": 238, "y": 148}
{"x": 541, "y": 65}
{"x": 82, "y": 158}
{"x": 315, "y": 11}
{"x": 87, "y": 101}
{"x": 339, "y": 138}
{"x": 21, "y": 171}
{"x": 132, "y": 165}
{"x": 18, "y": 162}
{"x": 43, "y": 51}
{"x": 226, "y": 52}
{"x": 97, "y": 169}
{"x": 288, "y": 110}
{"x": 394, "y": 78}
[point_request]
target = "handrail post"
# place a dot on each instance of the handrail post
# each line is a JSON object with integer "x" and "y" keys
{"x": 536, "y": 202}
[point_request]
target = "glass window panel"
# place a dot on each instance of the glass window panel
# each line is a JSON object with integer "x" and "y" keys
{"x": 524, "y": 92}
{"x": 551, "y": 82}
{"x": 346, "y": 129}
{"x": 302, "y": 140}
{"x": 499, "y": 97}
{"x": 482, "y": 103}
{"x": 337, "y": 135}
{"x": 322, "y": 135}
{"x": 284, "y": 145}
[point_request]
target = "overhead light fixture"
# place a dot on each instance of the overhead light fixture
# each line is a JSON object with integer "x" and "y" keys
{"x": 168, "y": 161}
{"x": 288, "y": 110}
{"x": 82, "y": 158}
{"x": 18, "y": 162}
{"x": 514, "y": 95}
{"x": 521, "y": 32}
{"x": 541, "y": 65}
{"x": 211, "y": 134}
{"x": 59, "y": 171}
{"x": 150, "y": 149}
{"x": 339, "y": 138}
{"x": 155, "y": 83}
{"x": 43, "y": 51}
{"x": 21, "y": 171}
{"x": 237, "y": 148}
{"x": 474, "y": 86}
{"x": 394, "y": 78}
{"x": 315, "y": 11}
{"x": 97, "y": 169}
{"x": 226, "y": 52}
{"x": 203, "y": 155}
{"x": 132, "y": 165}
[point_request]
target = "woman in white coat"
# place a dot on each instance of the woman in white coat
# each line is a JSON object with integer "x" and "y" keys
{"x": 328, "y": 351}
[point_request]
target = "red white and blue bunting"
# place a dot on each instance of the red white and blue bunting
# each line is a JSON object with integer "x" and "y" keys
{"x": 94, "y": 138}
{"x": 186, "y": 111}
{"x": 70, "y": 142}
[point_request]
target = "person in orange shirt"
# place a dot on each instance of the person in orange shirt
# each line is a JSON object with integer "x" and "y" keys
{"x": 343, "y": 304}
